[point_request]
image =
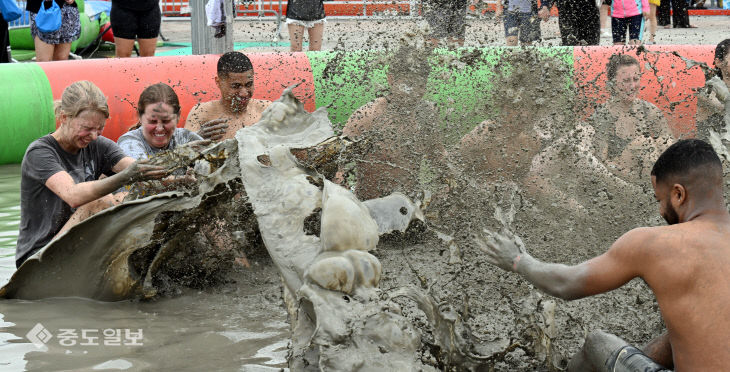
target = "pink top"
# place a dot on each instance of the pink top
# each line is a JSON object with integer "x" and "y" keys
{"x": 628, "y": 8}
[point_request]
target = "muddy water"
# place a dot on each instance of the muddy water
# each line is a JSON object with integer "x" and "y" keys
{"x": 234, "y": 327}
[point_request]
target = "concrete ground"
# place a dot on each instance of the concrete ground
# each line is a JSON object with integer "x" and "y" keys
{"x": 349, "y": 34}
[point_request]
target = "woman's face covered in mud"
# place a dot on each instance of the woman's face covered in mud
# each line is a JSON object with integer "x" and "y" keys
{"x": 158, "y": 124}
{"x": 627, "y": 82}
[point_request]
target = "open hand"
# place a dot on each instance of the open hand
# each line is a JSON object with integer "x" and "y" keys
{"x": 141, "y": 170}
{"x": 200, "y": 145}
{"x": 214, "y": 129}
{"x": 502, "y": 249}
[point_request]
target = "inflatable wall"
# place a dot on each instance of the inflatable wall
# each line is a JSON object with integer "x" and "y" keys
{"x": 459, "y": 82}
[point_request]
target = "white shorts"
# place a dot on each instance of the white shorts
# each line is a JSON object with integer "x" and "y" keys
{"x": 307, "y": 24}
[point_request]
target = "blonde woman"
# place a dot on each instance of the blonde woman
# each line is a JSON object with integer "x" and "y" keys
{"x": 61, "y": 174}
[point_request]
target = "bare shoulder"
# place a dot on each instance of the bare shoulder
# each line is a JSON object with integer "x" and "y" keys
{"x": 261, "y": 104}
{"x": 199, "y": 114}
{"x": 650, "y": 242}
{"x": 363, "y": 118}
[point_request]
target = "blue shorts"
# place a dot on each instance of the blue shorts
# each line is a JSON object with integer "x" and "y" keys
{"x": 630, "y": 359}
{"x": 526, "y": 24}
{"x": 635, "y": 24}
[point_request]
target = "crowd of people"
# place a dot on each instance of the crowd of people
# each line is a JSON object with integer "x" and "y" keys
{"x": 74, "y": 172}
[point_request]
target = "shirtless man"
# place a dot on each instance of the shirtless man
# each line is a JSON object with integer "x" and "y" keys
{"x": 402, "y": 130}
{"x": 685, "y": 264}
{"x": 220, "y": 119}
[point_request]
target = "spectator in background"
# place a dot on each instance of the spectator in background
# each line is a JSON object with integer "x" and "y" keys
{"x": 605, "y": 6}
{"x": 628, "y": 14}
{"x": 579, "y": 20}
{"x": 4, "y": 40}
{"x": 653, "y": 6}
{"x": 522, "y": 19}
{"x": 447, "y": 20}
{"x": 56, "y": 45}
{"x": 680, "y": 15}
{"x": 135, "y": 20}
{"x": 309, "y": 15}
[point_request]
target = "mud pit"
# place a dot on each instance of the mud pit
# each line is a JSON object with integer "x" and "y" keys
{"x": 520, "y": 159}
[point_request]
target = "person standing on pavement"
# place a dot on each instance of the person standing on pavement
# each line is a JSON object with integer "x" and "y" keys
{"x": 579, "y": 20}
{"x": 138, "y": 20}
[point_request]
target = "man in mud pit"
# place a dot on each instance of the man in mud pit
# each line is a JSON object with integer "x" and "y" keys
{"x": 220, "y": 119}
{"x": 405, "y": 145}
{"x": 683, "y": 263}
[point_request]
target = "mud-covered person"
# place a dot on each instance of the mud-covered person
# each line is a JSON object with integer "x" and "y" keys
{"x": 220, "y": 119}
{"x": 713, "y": 98}
{"x": 685, "y": 265}
{"x": 612, "y": 146}
{"x": 61, "y": 174}
{"x": 158, "y": 110}
{"x": 502, "y": 149}
{"x": 627, "y": 129}
{"x": 402, "y": 130}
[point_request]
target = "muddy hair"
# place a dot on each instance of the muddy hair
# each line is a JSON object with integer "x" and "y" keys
{"x": 81, "y": 96}
{"x": 684, "y": 157}
{"x": 617, "y": 61}
{"x": 159, "y": 92}
{"x": 235, "y": 62}
{"x": 720, "y": 53}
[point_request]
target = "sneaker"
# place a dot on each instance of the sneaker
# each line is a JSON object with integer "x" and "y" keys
{"x": 605, "y": 33}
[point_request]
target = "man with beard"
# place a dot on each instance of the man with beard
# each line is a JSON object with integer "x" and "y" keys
{"x": 578, "y": 20}
{"x": 684, "y": 264}
{"x": 220, "y": 119}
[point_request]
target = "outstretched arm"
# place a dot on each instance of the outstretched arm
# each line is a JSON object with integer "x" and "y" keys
{"x": 600, "y": 274}
{"x": 78, "y": 194}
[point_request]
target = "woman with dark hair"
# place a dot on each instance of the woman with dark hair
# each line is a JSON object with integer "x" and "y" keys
{"x": 713, "y": 98}
{"x": 159, "y": 113}
{"x": 56, "y": 45}
{"x": 628, "y": 129}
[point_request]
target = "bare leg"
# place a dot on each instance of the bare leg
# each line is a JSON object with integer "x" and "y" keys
{"x": 123, "y": 47}
{"x": 511, "y": 40}
{"x": 43, "y": 52}
{"x": 147, "y": 47}
{"x": 652, "y": 22}
{"x": 61, "y": 52}
{"x": 91, "y": 208}
{"x": 597, "y": 348}
{"x": 604, "y": 16}
{"x": 296, "y": 34}
{"x": 315, "y": 37}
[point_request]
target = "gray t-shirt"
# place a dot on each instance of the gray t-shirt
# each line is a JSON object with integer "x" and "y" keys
{"x": 42, "y": 212}
{"x": 134, "y": 145}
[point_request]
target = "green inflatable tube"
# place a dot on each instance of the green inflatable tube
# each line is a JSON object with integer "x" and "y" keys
{"x": 27, "y": 113}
